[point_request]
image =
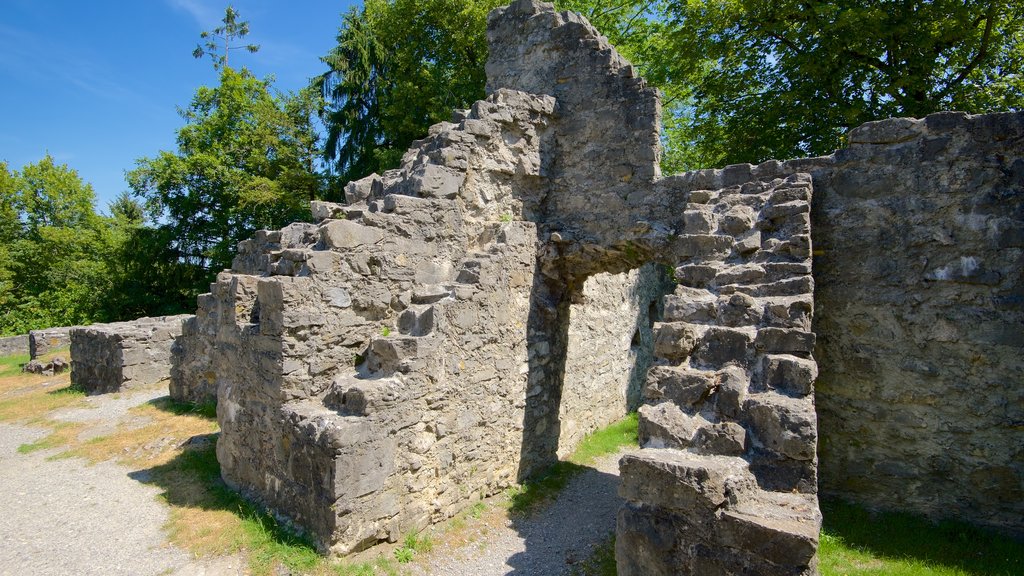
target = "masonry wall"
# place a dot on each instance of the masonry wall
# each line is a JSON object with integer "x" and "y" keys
{"x": 14, "y": 345}
{"x": 919, "y": 270}
{"x": 41, "y": 342}
{"x": 918, "y": 231}
{"x": 121, "y": 355}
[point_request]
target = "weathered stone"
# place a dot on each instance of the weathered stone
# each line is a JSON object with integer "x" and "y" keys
{"x": 664, "y": 425}
{"x": 789, "y": 374}
{"x": 42, "y": 342}
{"x": 343, "y": 234}
{"x": 724, "y": 438}
{"x": 503, "y": 300}
{"x": 685, "y": 387}
{"x": 674, "y": 340}
{"x": 683, "y": 482}
{"x": 111, "y": 357}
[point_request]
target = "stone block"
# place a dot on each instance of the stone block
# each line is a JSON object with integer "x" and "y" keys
{"x": 683, "y": 482}
{"x": 789, "y": 374}
{"x": 784, "y": 341}
{"x": 674, "y": 340}
{"x": 721, "y": 346}
{"x": 346, "y": 234}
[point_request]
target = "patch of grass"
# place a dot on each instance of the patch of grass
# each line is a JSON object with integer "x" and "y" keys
{"x": 27, "y": 399}
{"x": 525, "y": 497}
{"x": 857, "y": 542}
{"x": 477, "y": 510}
{"x": 607, "y": 440}
{"x": 601, "y": 561}
{"x": 62, "y": 434}
{"x": 413, "y": 544}
{"x": 167, "y": 424}
{"x": 11, "y": 365}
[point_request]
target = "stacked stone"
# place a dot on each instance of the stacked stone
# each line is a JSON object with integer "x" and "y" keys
{"x": 122, "y": 355}
{"x": 726, "y": 481}
{"x": 14, "y": 345}
{"x": 370, "y": 369}
{"x": 41, "y": 342}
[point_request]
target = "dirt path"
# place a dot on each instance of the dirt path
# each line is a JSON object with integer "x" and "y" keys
{"x": 65, "y": 516}
{"x": 549, "y": 542}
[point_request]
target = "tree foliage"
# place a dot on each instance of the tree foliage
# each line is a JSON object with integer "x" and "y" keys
{"x": 245, "y": 161}
{"x": 789, "y": 78}
{"x": 55, "y": 252}
{"x": 744, "y": 80}
{"x": 232, "y": 30}
{"x": 399, "y": 66}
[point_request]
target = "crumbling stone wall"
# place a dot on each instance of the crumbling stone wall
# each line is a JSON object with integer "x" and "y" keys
{"x": 376, "y": 369}
{"x": 122, "y": 355}
{"x": 919, "y": 233}
{"x": 41, "y": 342}
{"x": 14, "y": 345}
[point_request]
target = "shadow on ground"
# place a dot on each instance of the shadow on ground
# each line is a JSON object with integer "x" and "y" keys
{"x": 892, "y": 535}
{"x": 563, "y": 534}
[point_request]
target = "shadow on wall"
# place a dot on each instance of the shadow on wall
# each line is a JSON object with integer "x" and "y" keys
{"x": 590, "y": 345}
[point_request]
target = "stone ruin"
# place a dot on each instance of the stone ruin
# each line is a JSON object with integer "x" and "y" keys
{"x": 42, "y": 342}
{"x": 527, "y": 275}
{"x": 122, "y": 355}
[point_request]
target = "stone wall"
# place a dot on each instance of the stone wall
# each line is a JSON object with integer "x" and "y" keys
{"x": 437, "y": 338}
{"x": 12, "y": 345}
{"x": 43, "y": 342}
{"x": 122, "y": 355}
{"x": 919, "y": 233}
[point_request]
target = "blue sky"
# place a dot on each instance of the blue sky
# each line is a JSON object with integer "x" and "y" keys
{"x": 98, "y": 84}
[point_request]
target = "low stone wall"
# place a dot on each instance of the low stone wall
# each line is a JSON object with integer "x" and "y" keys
{"x": 111, "y": 357}
{"x": 12, "y": 345}
{"x": 42, "y": 342}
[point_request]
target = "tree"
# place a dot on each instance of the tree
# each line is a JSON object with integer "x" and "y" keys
{"x": 56, "y": 249}
{"x": 233, "y": 29}
{"x": 245, "y": 161}
{"x": 399, "y": 66}
{"x": 781, "y": 79}
{"x": 743, "y": 80}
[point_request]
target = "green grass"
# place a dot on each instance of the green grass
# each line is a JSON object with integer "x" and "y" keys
{"x": 607, "y": 440}
{"x": 528, "y": 495}
{"x": 11, "y": 365}
{"x": 856, "y": 542}
{"x": 194, "y": 489}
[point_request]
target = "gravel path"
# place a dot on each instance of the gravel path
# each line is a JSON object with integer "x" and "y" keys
{"x": 550, "y": 541}
{"x": 64, "y": 516}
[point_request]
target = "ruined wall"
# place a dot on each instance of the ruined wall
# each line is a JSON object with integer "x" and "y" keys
{"x": 14, "y": 345}
{"x": 428, "y": 342}
{"x": 919, "y": 233}
{"x": 371, "y": 370}
{"x": 919, "y": 312}
{"x": 112, "y": 357}
{"x": 41, "y": 342}
{"x": 609, "y": 350}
